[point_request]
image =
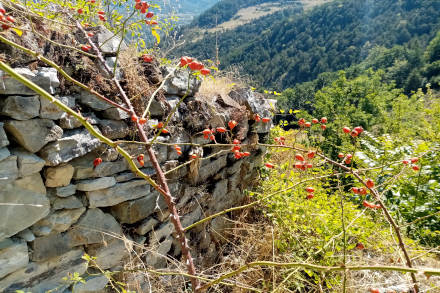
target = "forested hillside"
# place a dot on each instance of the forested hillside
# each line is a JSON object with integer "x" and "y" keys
{"x": 290, "y": 47}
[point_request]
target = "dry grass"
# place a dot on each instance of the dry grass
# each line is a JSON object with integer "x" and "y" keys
{"x": 222, "y": 83}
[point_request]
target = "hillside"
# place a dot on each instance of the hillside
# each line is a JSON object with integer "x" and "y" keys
{"x": 291, "y": 46}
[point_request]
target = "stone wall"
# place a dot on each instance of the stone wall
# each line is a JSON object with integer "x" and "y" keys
{"x": 55, "y": 206}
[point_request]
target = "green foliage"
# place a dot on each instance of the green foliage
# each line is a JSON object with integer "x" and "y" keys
{"x": 285, "y": 48}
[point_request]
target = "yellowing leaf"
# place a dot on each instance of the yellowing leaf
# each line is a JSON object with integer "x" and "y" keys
{"x": 282, "y": 111}
{"x": 296, "y": 111}
{"x": 156, "y": 35}
{"x": 17, "y": 31}
{"x": 290, "y": 111}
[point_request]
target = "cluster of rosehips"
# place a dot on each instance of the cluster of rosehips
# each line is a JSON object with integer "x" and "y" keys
{"x": 346, "y": 158}
{"x": 147, "y": 58}
{"x": 194, "y": 65}
{"x": 302, "y": 164}
{"x": 97, "y": 162}
{"x": 101, "y": 14}
{"x": 310, "y": 191}
{"x": 302, "y": 123}
{"x": 412, "y": 161}
{"x": 359, "y": 190}
{"x": 143, "y": 8}
{"x": 141, "y": 121}
{"x": 140, "y": 159}
{"x": 209, "y": 133}
{"x": 355, "y": 132}
{"x": 178, "y": 149}
{"x": 5, "y": 18}
{"x": 257, "y": 118}
{"x": 280, "y": 140}
{"x": 236, "y": 150}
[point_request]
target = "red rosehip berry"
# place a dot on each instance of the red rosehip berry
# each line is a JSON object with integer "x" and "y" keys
{"x": 359, "y": 129}
{"x": 374, "y": 290}
{"x": 147, "y": 58}
{"x": 370, "y": 183}
{"x": 193, "y": 156}
{"x": 232, "y": 124}
{"x": 315, "y": 121}
{"x": 299, "y": 157}
{"x": 134, "y": 118}
{"x": 346, "y": 130}
{"x": 205, "y": 71}
{"x": 101, "y": 17}
{"x": 311, "y": 154}
{"x": 416, "y": 168}
{"x": 269, "y": 165}
{"x": 257, "y": 118}
{"x": 97, "y": 162}
{"x": 165, "y": 131}
{"x": 301, "y": 122}
{"x": 100, "y": 12}
{"x": 10, "y": 19}
{"x": 308, "y": 124}
{"x": 405, "y": 162}
{"x": 236, "y": 141}
{"x": 310, "y": 196}
{"x": 195, "y": 66}
{"x": 2, "y": 11}
{"x": 323, "y": 127}
{"x": 142, "y": 121}
{"x": 299, "y": 165}
{"x": 360, "y": 246}
{"x": 310, "y": 189}
{"x": 354, "y": 133}
{"x": 265, "y": 120}
{"x": 149, "y": 15}
{"x": 308, "y": 165}
{"x": 221, "y": 129}
{"x": 324, "y": 120}
{"x": 246, "y": 154}
{"x": 355, "y": 190}
{"x": 206, "y": 132}
{"x": 341, "y": 155}
{"x": 414, "y": 160}
{"x": 90, "y": 34}
{"x": 80, "y": 11}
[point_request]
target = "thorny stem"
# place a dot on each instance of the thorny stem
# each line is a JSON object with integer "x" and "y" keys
{"x": 164, "y": 188}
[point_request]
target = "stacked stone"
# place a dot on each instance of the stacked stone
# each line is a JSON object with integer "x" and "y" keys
{"x": 55, "y": 206}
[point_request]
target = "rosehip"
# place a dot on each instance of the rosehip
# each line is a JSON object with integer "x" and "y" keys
{"x": 237, "y": 155}
{"x": 360, "y": 246}
{"x": 205, "y": 71}
{"x": 101, "y": 17}
{"x": 355, "y": 190}
{"x": 90, "y": 34}
{"x": 349, "y": 156}
{"x": 100, "y": 12}
{"x": 301, "y": 121}
{"x": 179, "y": 152}
{"x": 310, "y": 189}
{"x": 269, "y": 165}
{"x": 85, "y": 48}
{"x": 257, "y": 118}
{"x": 140, "y": 157}
{"x": 221, "y": 129}
{"x": 193, "y": 156}
{"x": 414, "y": 160}
{"x": 236, "y": 141}
{"x": 149, "y": 15}
{"x": 206, "y": 132}
{"x": 405, "y": 162}
{"x": 5, "y": 26}
{"x": 212, "y": 137}
{"x": 97, "y": 161}
{"x": 246, "y": 154}
{"x": 346, "y": 130}
{"x": 142, "y": 121}
{"x": 80, "y": 11}
{"x": 341, "y": 155}
{"x": 299, "y": 157}
{"x": 308, "y": 124}
{"x": 232, "y": 124}
{"x": 141, "y": 163}
{"x": 10, "y": 19}
{"x": 165, "y": 131}
{"x": 416, "y": 168}
{"x": 265, "y": 120}
{"x": 147, "y": 58}
{"x": 236, "y": 148}
{"x": 138, "y": 6}
{"x": 363, "y": 191}
{"x": 185, "y": 60}
{"x": 323, "y": 127}
{"x": 310, "y": 196}
{"x": 354, "y": 133}
{"x": 299, "y": 165}
{"x": 159, "y": 125}
{"x": 311, "y": 154}
{"x": 324, "y": 120}
{"x": 308, "y": 165}
{"x": 2, "y": 11}
{"x": 315, "y": 121}
{"x": 134, "y": 118}
{"x": 374, "y": 290}
{"x": 359, "y": 129}
{"x": 370, "y": 183}
{"x": 195, "y": 66}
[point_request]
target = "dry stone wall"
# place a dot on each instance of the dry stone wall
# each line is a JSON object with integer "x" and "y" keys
{"x": 55, "y": 206}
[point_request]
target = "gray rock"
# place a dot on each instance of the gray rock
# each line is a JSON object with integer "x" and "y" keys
{"x": 210, "y": 168}
{"x": 73, "y": 144}
{"x": 4, "y": 153}
{"x": 219, "y": 195}
{"x": 158, "y": 257}
{"x": 58, "y": 176}
{"x": 110, "y": 255}
{"x": 31, "y": 204}
{"x": 9, "y": 86}
{"x": 8, "y": 169}
{"x": 94, "y": 227}
{"x": 114, "y": 129}
{"x": 164, "y": 231}
{"x": 70, "y": 122}
{"x": 33, "y": 134}
{"x": 3, "y": 138}
{"x": 92, "y": 101}
{"x": 115, "y": 114}
{"x": 96, "y": 184}
{"x": 71, "y": 202}
{"x": 13, "y": 258}
{"x": 192, "y": 217}
{"x": 119, "y": 193}
{"x": 47, "y": 247}
{"x": 84, "y": 167}
{"x": 178, "y": 83}
{"x": 91, "y": 285}
{"x": 19, "y": 107}
{"x": 133, "y": 211}
{"x": 47, "y": 275}
{"x": 47, "y": 78}
{"x": 219, "y": 226}
{"x": 181, "y": 172}
{"x": 58, "y": 221}
{"x": 49, "y": 110}
{"x": 28, "y": 163}
{"x": 111, "y": 40}
{"x": 26, "y": 235}
{"x": 146, "y": 226}
{"x": 110, "y": 168}
{"x": 66, "y": 191}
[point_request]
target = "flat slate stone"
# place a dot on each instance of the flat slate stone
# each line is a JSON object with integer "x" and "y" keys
{"x": 13, "y": 258}
{"x": 28, "y": 163}
{"x": 95, "y": 184}
{"x": 19, "y": 107}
